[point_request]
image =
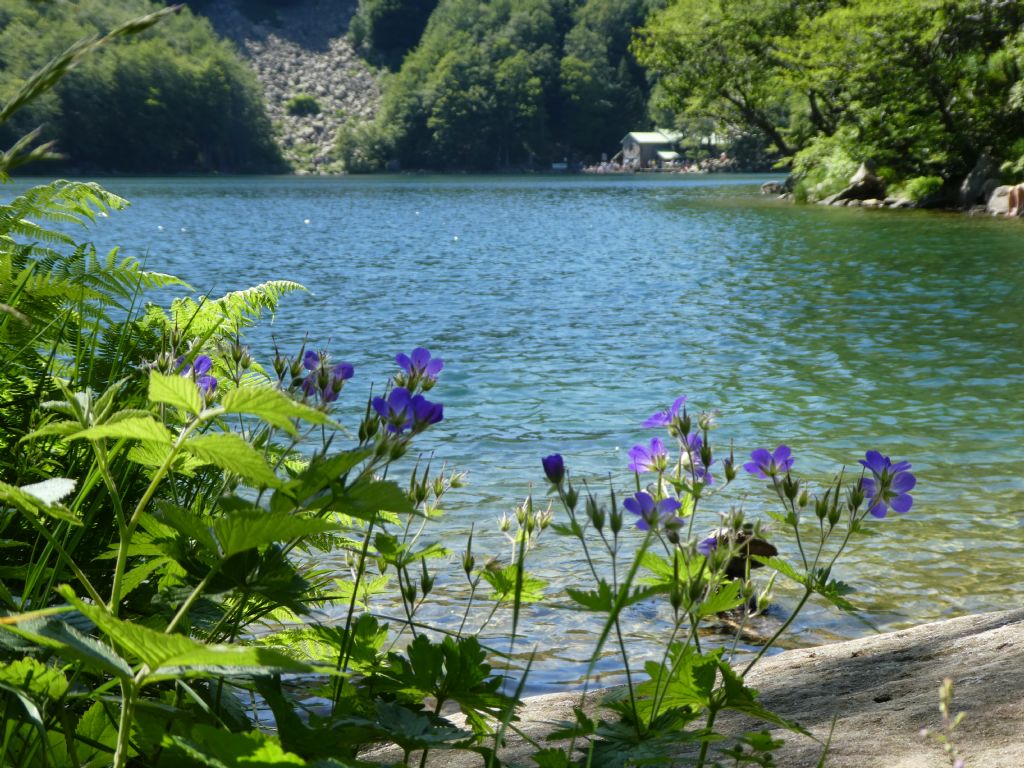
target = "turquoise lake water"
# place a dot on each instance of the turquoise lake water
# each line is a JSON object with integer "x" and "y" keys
{"x": 569, "y": 309}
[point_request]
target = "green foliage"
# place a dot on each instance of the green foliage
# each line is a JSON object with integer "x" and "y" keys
{"x": 385, "y": 30}
{"x": 167, "y": 100}
{"x": 514, "y": 83}
{"x": 301, "y": 105}
{"x": 921, "y": 87}
{"x": 920, "y": 188}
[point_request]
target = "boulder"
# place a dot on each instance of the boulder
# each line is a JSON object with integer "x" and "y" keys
{"x": 864, "y": 185}
{"x": 773, "y": 188}
{"x": 881, "y": 690}
{"x": 972, "y": 189}
{"x": 999, "y": 201}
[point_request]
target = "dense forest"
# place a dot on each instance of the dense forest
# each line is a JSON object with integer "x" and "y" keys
{"x": 173, "y": 99}
{"x": 503, "y": 84}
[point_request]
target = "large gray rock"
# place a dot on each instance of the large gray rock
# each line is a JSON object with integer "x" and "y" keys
{"x": 972, "y": 189}
{"x": 864, "y": 185}
{"x": 881, "y": 690}
{"x": 999, "y": 201}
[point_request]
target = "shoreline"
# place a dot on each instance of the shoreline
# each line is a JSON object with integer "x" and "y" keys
{"x": 881, "y": 690}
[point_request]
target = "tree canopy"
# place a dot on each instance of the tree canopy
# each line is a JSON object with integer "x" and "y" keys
{"x": 175, "y": 98}
{"x": 923, "y": 88}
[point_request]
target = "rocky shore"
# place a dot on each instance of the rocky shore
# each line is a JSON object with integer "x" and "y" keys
{"x": 880, "y": 691}
{"x": 302, "y": 49}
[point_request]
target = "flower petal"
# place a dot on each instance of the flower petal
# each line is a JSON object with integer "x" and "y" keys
{"x": 903, "y": 482}
{"x": 902, "y": 503}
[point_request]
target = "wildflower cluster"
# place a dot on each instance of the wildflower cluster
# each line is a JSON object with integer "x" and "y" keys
{"x": 312, "y": 373}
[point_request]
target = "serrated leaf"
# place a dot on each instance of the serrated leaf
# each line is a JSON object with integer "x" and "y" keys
{"x": 366, "y": 499}
{"x": 51, "y": 491}
{"x": 725, "y": 599}
{"x": 169, "y": 656}
{"x": 145, "y": 428}
{"x": 71, "y": 644}
{"x": 272, "y": 406}
{"x": 503, "y": 582}
{"x": 240, "y": 530}
{"x": 780, "y": 565}
{"x": 54, "y": 429}
{"x": 34, "y": 506}
{"x": 179, "y": 391}
{"x": 600, "y": 600}
{"x": 233, "y": 454}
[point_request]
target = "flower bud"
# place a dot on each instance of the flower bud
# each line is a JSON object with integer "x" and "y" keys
{"x": 675, "y": 597}
{"x": 730, "y": 468}
{"x": 409, "y": 592}
{"x": 790, "y": 487}
{"x": 571, "y": 497}
{"x": 426, "y": 580}
{"x": 468, "y": 562}
{"x": 504, "y": 523}
{"x": 821, "y": 508}
{"x": 803, "y": 498}
{"x": 685, "y": 423}
{"x": 615, "y": 520}
{"x": 856, "y": 497}
{"x": 595, "y": 513}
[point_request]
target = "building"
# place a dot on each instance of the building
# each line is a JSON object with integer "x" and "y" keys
{"x": 641, "y": 149}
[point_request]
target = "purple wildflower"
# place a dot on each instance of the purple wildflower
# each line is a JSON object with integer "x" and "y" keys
{"x": 311, "y": 360}
{"x": 554, "y": 468}
{"x": 665, "y": 418}
{"x": 766, "y": 465}
{"x": 652, "y": 458}
{"x": 402, "y": 410}
{"x": 420, "y": 365}
{"x": 708, "y": 545}
{"x": 650, "y": 513}
{"x": 200, "y": 372}
{"x": 890, "y": 485}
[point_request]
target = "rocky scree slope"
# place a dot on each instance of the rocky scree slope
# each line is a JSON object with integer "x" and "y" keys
{"x": 302, "y": 49}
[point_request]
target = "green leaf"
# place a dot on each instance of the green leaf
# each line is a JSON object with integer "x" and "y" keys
{"x": 30, "y": 504}
{"x": 503, "y": 582}
{"x": 240, "y": 530}
{"x": 366, "y": 499}
{"x": 35, "y": 678}
{"x": 145, "y": 428}
{"x": 179, "y": 391}
{"x": 233, "y": 454}
{"x": 368, "y": 587}
{"x": 71, "y": 644}
{"x": 780, "y": 565}
{"x": 687, "y": 682}
{"x": 51, "y": 491}
{"x": 273, "y": 406}
{"x": 218, "y": 748}
{"x": 741, "y": 698}
{"x": 600, "y": 600}
{"x": 725, "y": 599}
{"x": 170, "y": 656}
{"x": 97, "y": 736}
{"x": 54, "y": 429}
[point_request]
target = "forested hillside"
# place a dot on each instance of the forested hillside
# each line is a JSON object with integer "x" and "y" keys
{"x": 173, "y": 99}
{"x": 503, "y": 84}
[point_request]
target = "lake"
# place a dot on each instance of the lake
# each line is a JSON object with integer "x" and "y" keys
{"x": 568, "y": 309}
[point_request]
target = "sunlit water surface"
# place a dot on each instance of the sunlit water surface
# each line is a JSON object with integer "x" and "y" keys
{"x": 568, "y": 309}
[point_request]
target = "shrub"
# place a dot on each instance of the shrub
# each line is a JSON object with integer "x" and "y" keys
{"x": 302, "y": 105}
{"x": 919, "y": 188}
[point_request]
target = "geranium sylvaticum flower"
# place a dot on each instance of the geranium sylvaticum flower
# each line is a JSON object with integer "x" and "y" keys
{"x": 418, "y": 368}
{"x": 889, "y": 486}
{"x": 708, "y": 545}
{"x": 651, "y": 513}
{"x": 402, "y": 410}
{"x": 648, "y": 458}
{"x": 665, "y": 418}
{"x": 199, "y": 370}
{"x": 765, "y": 464}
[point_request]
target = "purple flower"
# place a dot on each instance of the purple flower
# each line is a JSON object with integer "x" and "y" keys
{"x": 889, "y": 486}
{"x": 425, "y": 413}
{"x": 659, "y": 514}
{"x": 653, "y": 458}
{"x": 554, "y": 468}
{"x": 342, "y": 372}
{"x": 766, "y": 465}
{"x": 401, "y": 411}
{"x": 311, "y": 360}
{"x": 708, "y": 545}
{"x": 693, "y": 444}
{"x": 664, "y": 418}
{"x": 420, "y": 364}
{"x": 200, "y": 372}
